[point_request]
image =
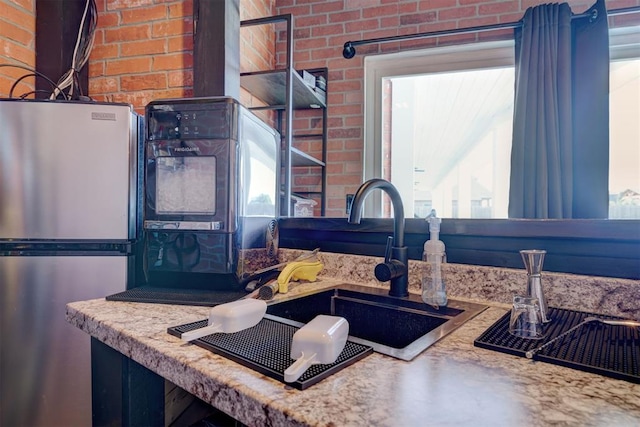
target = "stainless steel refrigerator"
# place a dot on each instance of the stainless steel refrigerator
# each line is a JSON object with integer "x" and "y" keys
{"x": 69, "y": 225}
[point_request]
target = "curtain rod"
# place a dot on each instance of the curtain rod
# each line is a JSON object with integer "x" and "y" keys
{"x": 349, "y": 50}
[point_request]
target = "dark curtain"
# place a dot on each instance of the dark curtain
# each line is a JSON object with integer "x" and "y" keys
{"x": 560, "y": 148}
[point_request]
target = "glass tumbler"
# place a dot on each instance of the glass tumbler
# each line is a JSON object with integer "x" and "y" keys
{"x": 526, "y": 318}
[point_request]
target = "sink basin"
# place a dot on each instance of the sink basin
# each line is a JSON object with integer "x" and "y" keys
{"x": 398, "y": 327}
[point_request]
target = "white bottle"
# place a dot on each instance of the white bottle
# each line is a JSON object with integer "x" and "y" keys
{"x": 433, "y": 288}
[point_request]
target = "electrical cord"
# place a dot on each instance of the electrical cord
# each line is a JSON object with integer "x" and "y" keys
{"x": 54, "y": 86}
{"x": 18, "y": 80}
{"x": 81, "y": 52}
{"x": 33, "y": 92}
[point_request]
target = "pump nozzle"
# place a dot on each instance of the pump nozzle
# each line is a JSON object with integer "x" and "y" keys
{"x": 434, "y": 223}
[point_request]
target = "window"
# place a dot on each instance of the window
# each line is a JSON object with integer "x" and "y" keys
{"x": 446, "y": 117}
{"x": 624, "y": 105}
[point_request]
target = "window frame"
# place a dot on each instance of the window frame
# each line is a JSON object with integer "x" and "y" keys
{"x": 379, "y": 67}
{"x": 590, "y": 247}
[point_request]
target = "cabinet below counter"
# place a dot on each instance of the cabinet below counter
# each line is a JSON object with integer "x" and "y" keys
{"x": 451, "y": 383}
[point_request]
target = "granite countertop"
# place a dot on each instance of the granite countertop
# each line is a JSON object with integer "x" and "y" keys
{"x": 451, "y": 383}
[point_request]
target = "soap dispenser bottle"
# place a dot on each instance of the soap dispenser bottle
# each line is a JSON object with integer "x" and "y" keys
{"x": 433, "y": 287}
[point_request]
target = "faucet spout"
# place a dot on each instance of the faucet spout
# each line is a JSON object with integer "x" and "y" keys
{"x": 398, "y": 209}
{"x": 396, "y": 265}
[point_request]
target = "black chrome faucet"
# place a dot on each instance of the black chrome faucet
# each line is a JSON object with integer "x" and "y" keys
{"x": 396, "y": 263}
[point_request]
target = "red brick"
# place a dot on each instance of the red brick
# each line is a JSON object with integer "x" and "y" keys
{"x": 172, "y": 62}
{"x": 127, "y": 66}
{"x": 307, "y": 180}
{"x": 314, "y": 43}
{"x": 326, "y": 6}
{"x": 29, "y": 5}
{"x": 353, "y": 167}
{"x": 510, "y": 17}
{"x": 96, "y": 69}
{"x": 18, "y": 16}
{"x": 418, "y": 18}
{"x": 407, "y": 7}
{"x": 128, "y": 33}
{"x": 20, "y": 35}
{"x": 302, "y": 34}
{"x": 477, "y": 22}
{"x": 498, "y": 8}
{"x": 98, "y": 37}
{"x": 327, "y": 30}
{"x": 346, "y": 85}
{"x": 17, "y": 52}
{"x": 181, "y": 9}
{"x": 376, "y": 12}
{"x": 354, "y": 97}
{"x": 468, "y": 2}
{"x": 457, "y": 13}
{"x": 345, "y": 133}
{"x": 181, "y": 78}
{"x": 353, "y": 121}
{"x": 391, "y": 21}
{"x": 362, "y": 25}
{"x": 439, "y": 4}
{"x": 103, "y": 85}
{"x": 147, "y": 47}
{"x": 143, "y": 81}
{"x": 353, "y": 179}
{"x": 144, "y": 14}
{"x": 310, "y": 21}
{"x": 350, "y": 16}
{"x": 127, "y": 4}
{"x": 359, "y": 4}
{"x": 321, "y": 54}
{"x": 298, "y": 10}
{"x": 180, "y": 43}
{"x": 172, "y": 27}
{"x": 105, "y": 51}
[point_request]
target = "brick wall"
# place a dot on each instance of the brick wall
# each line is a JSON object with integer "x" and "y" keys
{"x": 143, "y": 50}
{"x": 17, "y": 45}
{"x": 322, "y": 27}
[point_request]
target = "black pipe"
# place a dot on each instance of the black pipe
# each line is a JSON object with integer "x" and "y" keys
{"x": 349, "y": 50}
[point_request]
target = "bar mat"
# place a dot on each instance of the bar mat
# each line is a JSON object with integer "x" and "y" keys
{"x": 266, "y": 348}
{"x": 177, "y": 296}
{"x": 612, "y": 351}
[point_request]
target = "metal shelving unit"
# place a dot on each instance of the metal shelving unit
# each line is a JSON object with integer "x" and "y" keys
{"x": 285, "y": 91}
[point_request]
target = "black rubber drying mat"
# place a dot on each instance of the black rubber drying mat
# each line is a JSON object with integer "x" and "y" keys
{"x": 613, "y": 351}
{"x": 266, "y": 348}
{"x": 176, "y": 296}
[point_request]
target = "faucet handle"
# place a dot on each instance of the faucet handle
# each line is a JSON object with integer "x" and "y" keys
{"x": 390, "y": 268}
{"x": 387, "y": 251}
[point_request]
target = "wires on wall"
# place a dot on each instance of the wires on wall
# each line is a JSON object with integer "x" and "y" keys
{"x": 68, "y": 86}
{"x": 81, "y": 52}
{"x": 32, "y": 72}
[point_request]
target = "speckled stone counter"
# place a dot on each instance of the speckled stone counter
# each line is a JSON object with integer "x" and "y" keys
{"x": 451, "y": 383}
